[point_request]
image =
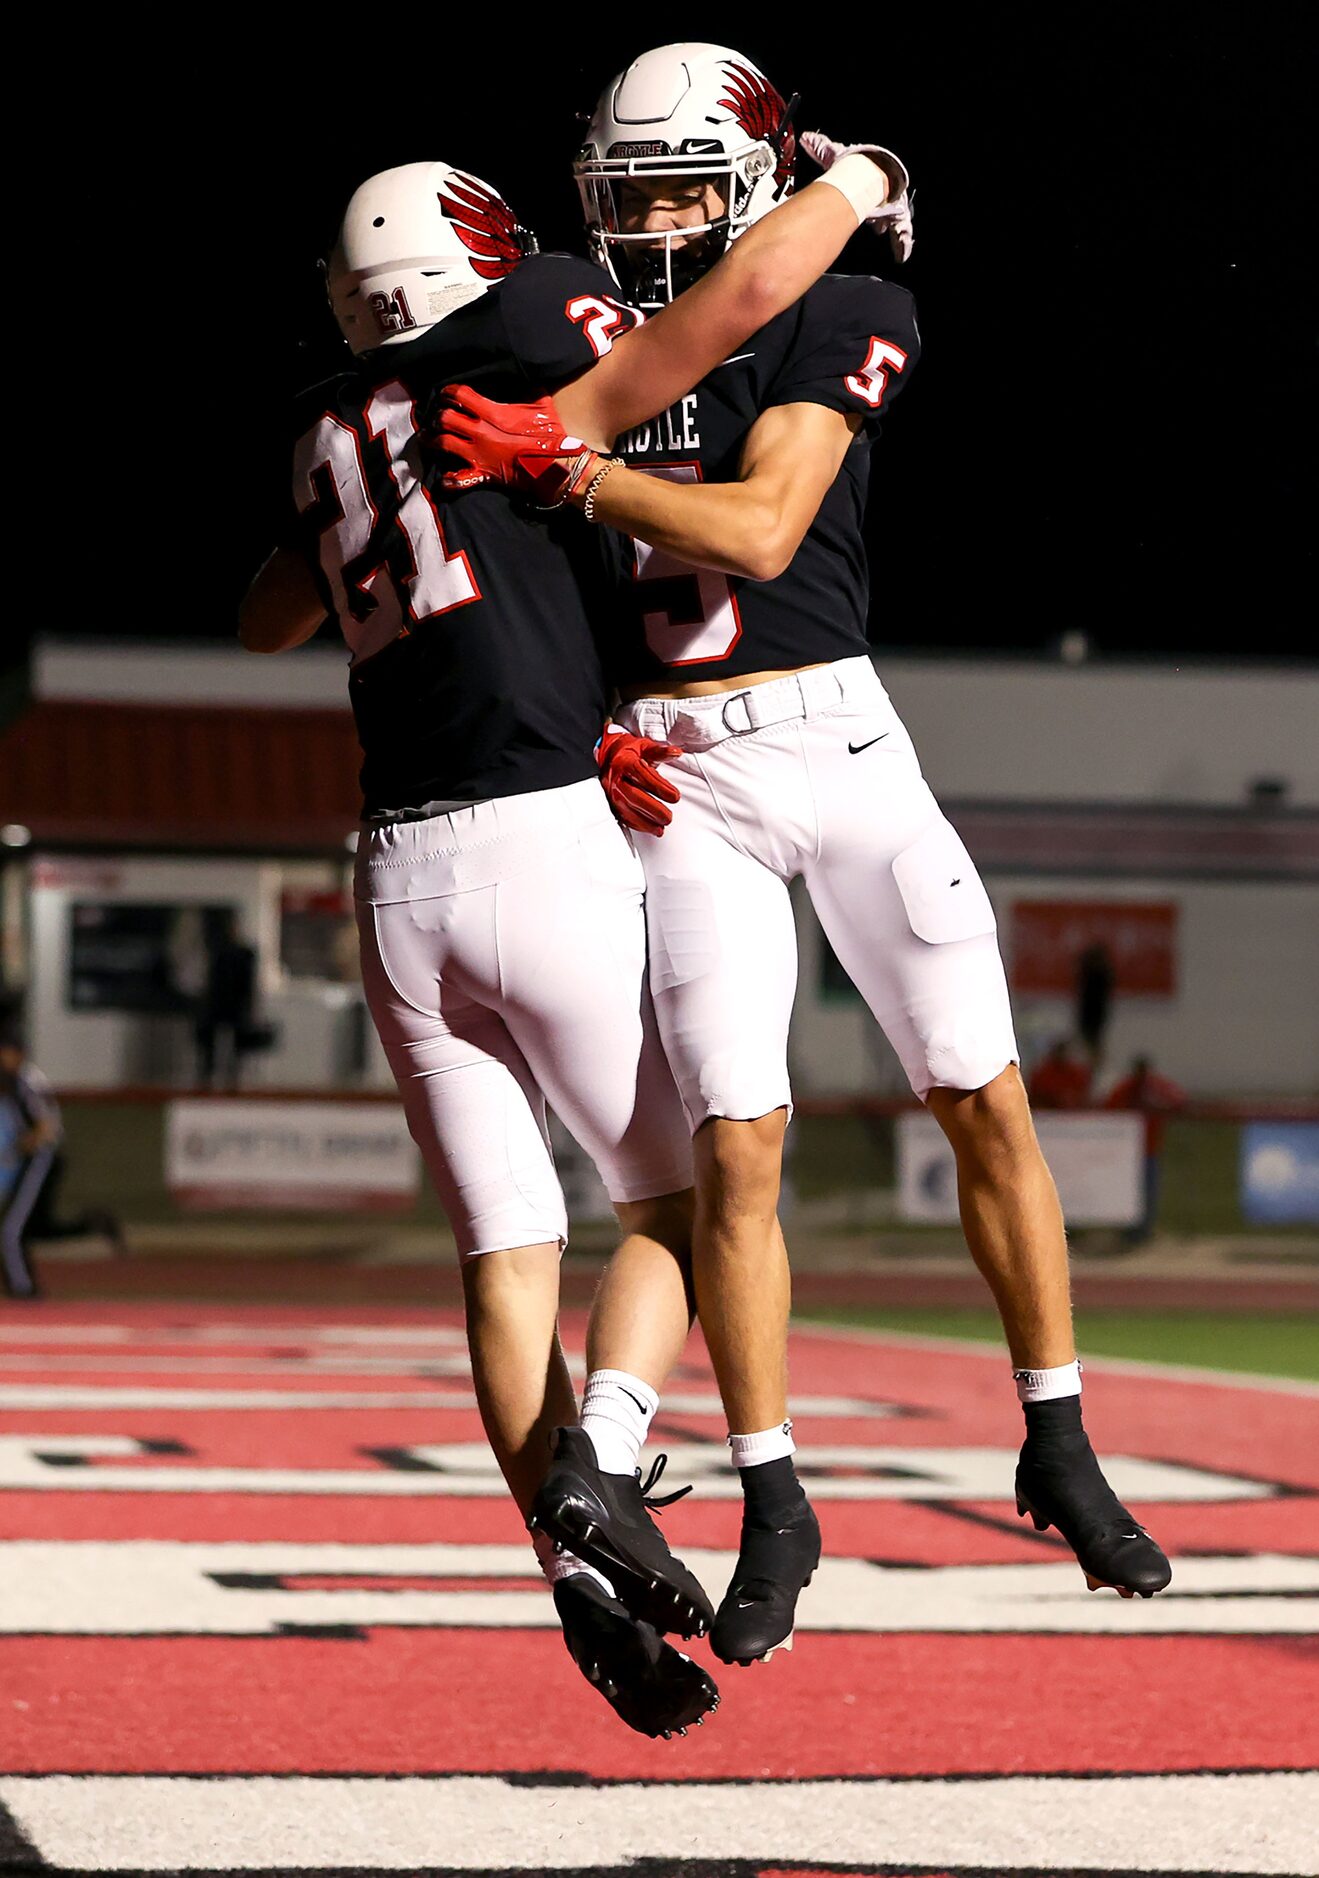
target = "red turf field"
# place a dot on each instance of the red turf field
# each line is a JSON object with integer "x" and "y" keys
{"x": 265, "y": 1608}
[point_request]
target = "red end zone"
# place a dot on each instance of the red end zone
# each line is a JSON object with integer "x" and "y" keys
{"x": 270, "y": 1542}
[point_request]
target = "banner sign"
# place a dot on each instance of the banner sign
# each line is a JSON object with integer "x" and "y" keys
{"x": 1097, "y": 1161}
{"x": 1139, "y": 936}
{"x": 310, "y": 1156}
{"x": 1280, "y": 1173}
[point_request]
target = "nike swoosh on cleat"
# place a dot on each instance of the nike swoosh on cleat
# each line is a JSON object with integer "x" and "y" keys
{"x": 855, "y": 749}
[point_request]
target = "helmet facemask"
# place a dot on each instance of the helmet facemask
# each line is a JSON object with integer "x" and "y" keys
{"x": 653, "y": 266}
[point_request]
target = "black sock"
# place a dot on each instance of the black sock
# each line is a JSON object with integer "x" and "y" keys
{"x": 771, "y": 1490}
{"x": 1054, "y": 1428}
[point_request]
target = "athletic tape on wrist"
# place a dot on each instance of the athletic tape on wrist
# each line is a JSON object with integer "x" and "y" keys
{"x": 862, "y": 182}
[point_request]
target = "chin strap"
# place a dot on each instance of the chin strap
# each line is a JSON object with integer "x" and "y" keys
{"x": 781, "y": 136}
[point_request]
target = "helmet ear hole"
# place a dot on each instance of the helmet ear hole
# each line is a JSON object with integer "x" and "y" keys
{"x": 416, "y": 244}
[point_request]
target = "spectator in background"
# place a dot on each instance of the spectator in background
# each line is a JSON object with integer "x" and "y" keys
{"x": 1155, "y": 1097}
{"x": 31, "y": 1167}
{"x": 1095, "y": 978}
{"x": 1058, "y": 1080}
{"x": 225, "y": 1026}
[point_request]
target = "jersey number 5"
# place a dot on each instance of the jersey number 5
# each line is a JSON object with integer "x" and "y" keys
{"x": 691, "y": 614}
{"x": 375, "y": 602}
{"x": 869, "y": 382}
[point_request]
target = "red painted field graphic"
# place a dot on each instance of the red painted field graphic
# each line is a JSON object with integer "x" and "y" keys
{"x": 265, "y": 1607}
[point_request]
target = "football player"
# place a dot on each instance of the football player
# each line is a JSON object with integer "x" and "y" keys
{"x": 749, "y": 655}
{"x": 499, "y": 903}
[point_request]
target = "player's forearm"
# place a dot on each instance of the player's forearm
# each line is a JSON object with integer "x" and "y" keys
{"x": 732, "y": 527}
{"x": 766, "y": 271}
{"x": 281, "y": 608}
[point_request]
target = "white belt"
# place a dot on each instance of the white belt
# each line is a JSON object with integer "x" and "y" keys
{"x": 700, "y": 723}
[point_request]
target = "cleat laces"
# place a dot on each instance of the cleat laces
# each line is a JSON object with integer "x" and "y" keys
{"x": 651, "y": 1500}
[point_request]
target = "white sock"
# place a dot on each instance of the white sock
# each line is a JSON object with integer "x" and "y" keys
{"x": 770, "y": 1444}
{"x": 557, "y": 1565}
{"x": 617, "y": 1410}
{"x": 1047, "y": 1385}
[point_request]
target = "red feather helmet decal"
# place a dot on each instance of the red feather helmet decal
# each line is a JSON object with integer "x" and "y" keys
{"x": 486, "y": 225}
{"x": 760, "y": 110}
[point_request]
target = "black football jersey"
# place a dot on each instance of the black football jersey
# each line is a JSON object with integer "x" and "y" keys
{"x": 474, "y": 671}
{"x": 849, "y": 344}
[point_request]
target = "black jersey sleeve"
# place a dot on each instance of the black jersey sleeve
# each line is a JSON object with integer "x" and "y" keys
{"x": 560, "y": 315}
{"x": 855, "y": 347}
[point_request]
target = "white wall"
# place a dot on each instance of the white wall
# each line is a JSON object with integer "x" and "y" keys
{"x": 1028, "y": 731}
{"x": 1245, "y": 1019}
{"x": 98, "y": 1049}
{"x": 313, "y": 677}
{"x": 106, "y": 1049}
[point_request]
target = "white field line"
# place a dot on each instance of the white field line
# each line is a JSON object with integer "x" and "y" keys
{"x": 68, "y": 1464}
{"x": 97, "y": 1396}
{"x": 1227, "y": 1823}
{"x": 225, "y": 1588}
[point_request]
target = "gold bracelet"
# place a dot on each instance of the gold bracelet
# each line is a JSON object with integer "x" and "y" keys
{"x": 588, "y": 506}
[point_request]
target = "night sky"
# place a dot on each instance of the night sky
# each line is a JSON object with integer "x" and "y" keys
{"x": 1113, "y": 420}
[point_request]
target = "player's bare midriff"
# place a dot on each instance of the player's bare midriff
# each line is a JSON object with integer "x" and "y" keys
{"x": 707, "y": 687}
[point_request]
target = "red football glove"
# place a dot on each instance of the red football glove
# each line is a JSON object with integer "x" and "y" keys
{"x": 522, "y": 446}
{"x": 638, "y": 794}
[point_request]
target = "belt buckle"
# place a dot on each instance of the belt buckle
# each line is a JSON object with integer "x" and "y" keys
{"x": 740, "y": 699}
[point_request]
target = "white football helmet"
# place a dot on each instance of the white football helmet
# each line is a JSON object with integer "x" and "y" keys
{"x": 683, "y": 111}
{"x": 416, "y": 243}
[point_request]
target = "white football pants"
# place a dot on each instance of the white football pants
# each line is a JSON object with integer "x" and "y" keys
{"x": 504, "y": 962}
{"x": 811, "y": 775}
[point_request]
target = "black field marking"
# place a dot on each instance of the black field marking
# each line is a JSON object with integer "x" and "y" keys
{"x": 332, "y": 1633}
{"x": 1278, "y": 1489}
{"x": 17, "y": 1853}
{"x": 1014, "y": 1527}
{"x": 325, "y": 1633}
{"x": 247, "y": 1581}
{"x": 401, "y": 1460}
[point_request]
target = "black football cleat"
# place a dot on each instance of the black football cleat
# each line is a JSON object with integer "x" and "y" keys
{"x": 650, "y": 1685}
{"x": 775, "y": 1563}
{"x": 1068, "y": 1490}
{"x": 604, "y": 1519}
